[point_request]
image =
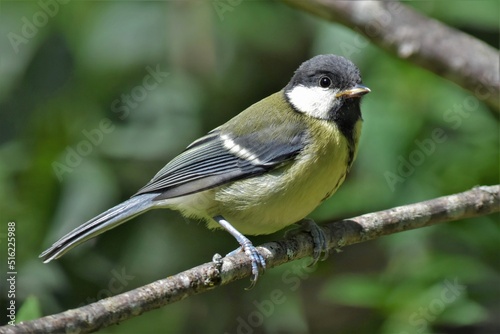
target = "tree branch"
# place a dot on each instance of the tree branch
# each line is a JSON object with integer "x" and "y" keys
{"x": 450, "y": 53}
{"x": 473, "y": 203}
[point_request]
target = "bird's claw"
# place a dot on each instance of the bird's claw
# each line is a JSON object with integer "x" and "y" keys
{"x": 319, "y": 239}
{"x": 258, "y": 261}
{"x": 217, "y": 260}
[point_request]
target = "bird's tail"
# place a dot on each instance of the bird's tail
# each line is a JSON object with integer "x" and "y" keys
{"x": 97, "y": 225}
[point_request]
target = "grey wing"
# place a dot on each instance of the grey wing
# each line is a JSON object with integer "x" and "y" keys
{"x": 216, "y": 159}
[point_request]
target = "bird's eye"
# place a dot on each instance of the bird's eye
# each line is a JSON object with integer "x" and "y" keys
{"x": 325, "y": 82}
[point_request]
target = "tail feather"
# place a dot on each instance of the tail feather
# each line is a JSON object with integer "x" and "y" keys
{"x": 97, "y": 225}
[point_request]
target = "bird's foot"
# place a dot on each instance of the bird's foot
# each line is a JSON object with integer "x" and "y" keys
{"x": 319, "y": 239}
{"x": 258, "y": 261}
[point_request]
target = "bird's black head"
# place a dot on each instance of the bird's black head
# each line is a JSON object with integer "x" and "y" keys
{"x": 327, "y": 87}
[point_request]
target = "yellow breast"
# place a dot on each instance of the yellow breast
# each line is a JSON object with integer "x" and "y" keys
{"x": 268, "y": 203}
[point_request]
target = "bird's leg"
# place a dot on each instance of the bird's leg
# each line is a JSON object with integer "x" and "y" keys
{"x": 258, "y": 260}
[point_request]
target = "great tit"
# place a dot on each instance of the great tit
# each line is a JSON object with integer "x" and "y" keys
{"x": 264, "y": 169}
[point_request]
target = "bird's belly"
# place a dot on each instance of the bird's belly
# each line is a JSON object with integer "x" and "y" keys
{"x": 268, "y": 203}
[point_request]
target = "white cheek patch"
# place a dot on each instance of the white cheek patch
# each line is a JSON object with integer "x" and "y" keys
{"x": 313, "y": 101}
{"x": 238, "y": 150}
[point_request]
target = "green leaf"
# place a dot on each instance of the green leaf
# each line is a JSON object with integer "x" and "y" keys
{"x": 29, "y": 310}
{"x": 355, "y": 291}
{"x": 464, "y": 312}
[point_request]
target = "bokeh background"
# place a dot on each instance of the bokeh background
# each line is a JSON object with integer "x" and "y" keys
{"x": 84, "y": 73}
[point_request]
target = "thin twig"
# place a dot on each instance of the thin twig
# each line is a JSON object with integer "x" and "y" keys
{"x": 450, "y": 53}
{"x": 473, "y": 203}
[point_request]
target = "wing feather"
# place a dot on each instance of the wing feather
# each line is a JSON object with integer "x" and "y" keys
{"x": 210, "y": 161}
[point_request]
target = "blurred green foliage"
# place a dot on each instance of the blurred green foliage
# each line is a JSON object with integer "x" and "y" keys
{"x": 87, "y": 64}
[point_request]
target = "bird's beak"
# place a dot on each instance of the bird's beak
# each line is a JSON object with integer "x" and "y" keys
{"x": 356, "y": 91}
